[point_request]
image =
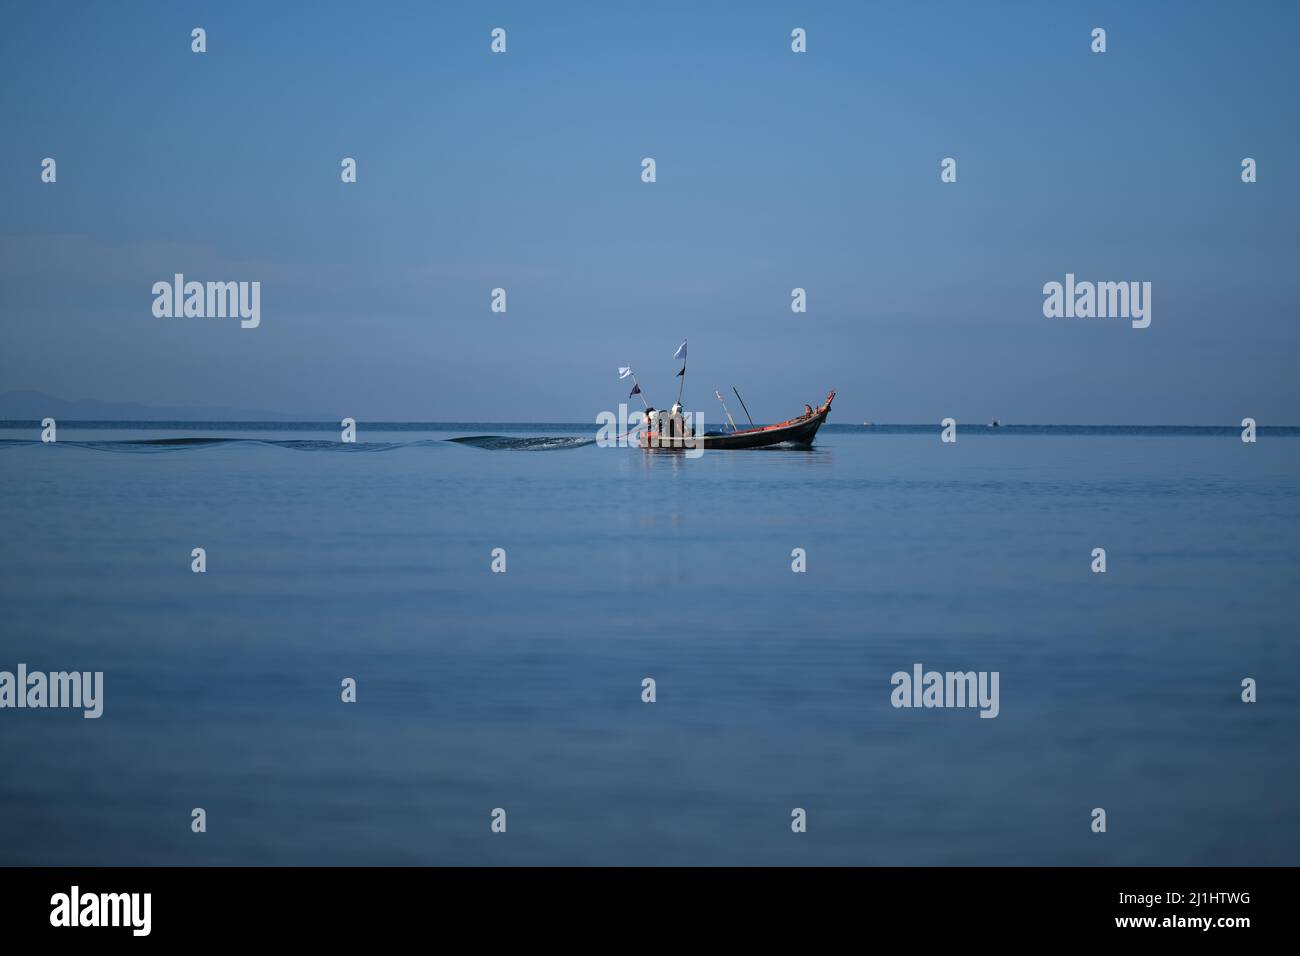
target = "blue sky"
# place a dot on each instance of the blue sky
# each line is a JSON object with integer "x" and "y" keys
{"x": 775, "y": 170}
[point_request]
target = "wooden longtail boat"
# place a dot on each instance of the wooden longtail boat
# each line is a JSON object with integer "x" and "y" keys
{"x": 674, "y": 432}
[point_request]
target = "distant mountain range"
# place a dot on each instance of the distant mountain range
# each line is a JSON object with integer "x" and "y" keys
{"x": 29, "y": 405}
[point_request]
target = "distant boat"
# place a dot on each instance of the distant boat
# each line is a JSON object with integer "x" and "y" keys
{"x": 995, "y": 424}
{"x": 867, "y": 424}
{"x": 673, "y": 432}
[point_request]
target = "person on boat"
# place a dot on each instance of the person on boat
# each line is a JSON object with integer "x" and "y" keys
{"x": 675, "y": 424}
{"x": 807, "y": 410}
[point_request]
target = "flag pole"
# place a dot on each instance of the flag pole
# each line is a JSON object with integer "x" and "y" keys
{"x": 725, "y": 410}
{"x": 625, "y": 371}
{"x": 681, "y": 353}
{"x": 745, "y": 407}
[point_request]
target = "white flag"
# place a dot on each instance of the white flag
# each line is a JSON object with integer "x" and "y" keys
{"x": 624, "y": 371}
{"x": 681, "y": 351}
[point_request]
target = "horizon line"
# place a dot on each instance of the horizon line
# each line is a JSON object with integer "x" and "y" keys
{"x": 332, "y": 425}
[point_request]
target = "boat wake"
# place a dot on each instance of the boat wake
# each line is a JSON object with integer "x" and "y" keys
{"x": 499, "y": 443}
{"x": 156, "y": 445}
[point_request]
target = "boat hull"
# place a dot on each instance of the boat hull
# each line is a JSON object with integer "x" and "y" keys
{"x": 797, "y": 432}
{"x": 800, "y": 434}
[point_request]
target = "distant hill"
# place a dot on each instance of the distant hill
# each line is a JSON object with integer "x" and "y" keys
{"x": 26, "y": 405}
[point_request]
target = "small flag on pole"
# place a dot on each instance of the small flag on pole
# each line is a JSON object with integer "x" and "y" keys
{"x": 636, "y": 390}
{"x": 682, "y": 372}
{"x": 624, "y": 371}
{"x": 681, "y": 351}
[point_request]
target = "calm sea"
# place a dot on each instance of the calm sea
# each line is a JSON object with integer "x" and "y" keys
{"x": 522, "y": 690}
